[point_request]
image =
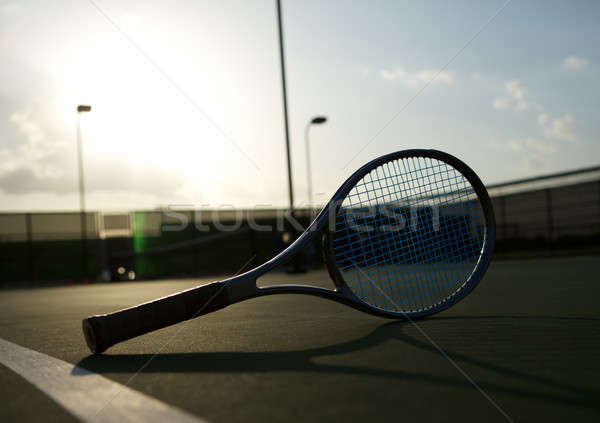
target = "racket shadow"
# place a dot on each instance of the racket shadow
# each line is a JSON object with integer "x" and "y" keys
{"x": 304, "y": 360}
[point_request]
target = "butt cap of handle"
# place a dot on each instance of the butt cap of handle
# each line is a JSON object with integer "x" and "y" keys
{"x": 92, "y": 338}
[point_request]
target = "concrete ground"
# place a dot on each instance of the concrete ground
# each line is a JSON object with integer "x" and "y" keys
{"x": 528, "y": 337}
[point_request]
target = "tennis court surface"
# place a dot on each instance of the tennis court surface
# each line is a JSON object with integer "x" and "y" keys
{"x": 523, "y": 347}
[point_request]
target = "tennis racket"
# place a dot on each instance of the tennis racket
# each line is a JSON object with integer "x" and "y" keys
{"x": 408, "y": 235}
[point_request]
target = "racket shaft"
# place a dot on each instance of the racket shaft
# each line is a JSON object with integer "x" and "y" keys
{"x": 103, "y": 331}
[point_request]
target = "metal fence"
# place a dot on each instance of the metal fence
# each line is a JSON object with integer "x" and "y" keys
{"x": 557, "y": 211}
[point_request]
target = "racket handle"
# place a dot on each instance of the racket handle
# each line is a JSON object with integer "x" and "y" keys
{"x": 103, "y": 331}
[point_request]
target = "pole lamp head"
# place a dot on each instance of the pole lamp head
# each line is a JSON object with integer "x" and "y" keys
{"x": 84, "y": 108}
{"x": 318, "y": 120}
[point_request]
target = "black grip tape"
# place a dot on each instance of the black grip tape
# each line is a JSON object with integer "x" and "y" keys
{"x": 105, "y": 330}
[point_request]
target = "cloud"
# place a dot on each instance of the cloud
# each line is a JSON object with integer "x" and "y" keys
{"x": 531, "y": 145}
{"x": 515, "y": 98}
{"x": 501, "y": 103}
{"x": 436, "y": 77}
{"x": 526, "y": 154}
{"x": 560, "y": 128}
{"x": 422, "y": 76}
{"x": 392, "y": 74}
{"x": 524, "y": 145}
{"x": 44, "y": 161}
{"x": 22, "y": 180}
{"x": 43, "y": 150}
{"x": 104, "y": 175}
{"x": 574, "y": 62}
{"x": 11, "y": 9}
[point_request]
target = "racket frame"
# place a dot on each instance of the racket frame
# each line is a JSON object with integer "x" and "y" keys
{"x": 244, "y": 286}
{"x": 102, "y": 331}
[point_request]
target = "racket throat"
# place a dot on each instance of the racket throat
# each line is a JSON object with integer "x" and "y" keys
{"x": 242, "y": 288}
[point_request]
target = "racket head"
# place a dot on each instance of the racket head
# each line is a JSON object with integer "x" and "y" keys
{"x": 409, "y": 234}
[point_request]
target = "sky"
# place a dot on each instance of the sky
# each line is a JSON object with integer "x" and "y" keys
{"x": 187, "y": 106}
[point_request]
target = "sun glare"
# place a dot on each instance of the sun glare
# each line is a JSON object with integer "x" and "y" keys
{"x": 137, "y": 116}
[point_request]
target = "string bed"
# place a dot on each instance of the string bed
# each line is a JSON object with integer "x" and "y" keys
{"x": 409, "y": 234}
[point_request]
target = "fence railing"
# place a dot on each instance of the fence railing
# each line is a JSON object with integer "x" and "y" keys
{"x": 551, "y": 211}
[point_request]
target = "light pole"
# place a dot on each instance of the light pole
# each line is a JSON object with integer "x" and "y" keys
{"x": 317, "y": 120}
{"x": 285, "y": 108}
{"x": 82, "y": 109}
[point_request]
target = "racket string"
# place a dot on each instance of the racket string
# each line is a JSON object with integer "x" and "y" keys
{"x": 418, "y": 266}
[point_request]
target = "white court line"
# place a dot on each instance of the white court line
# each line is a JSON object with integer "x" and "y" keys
{"x": 83, "y": 393}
